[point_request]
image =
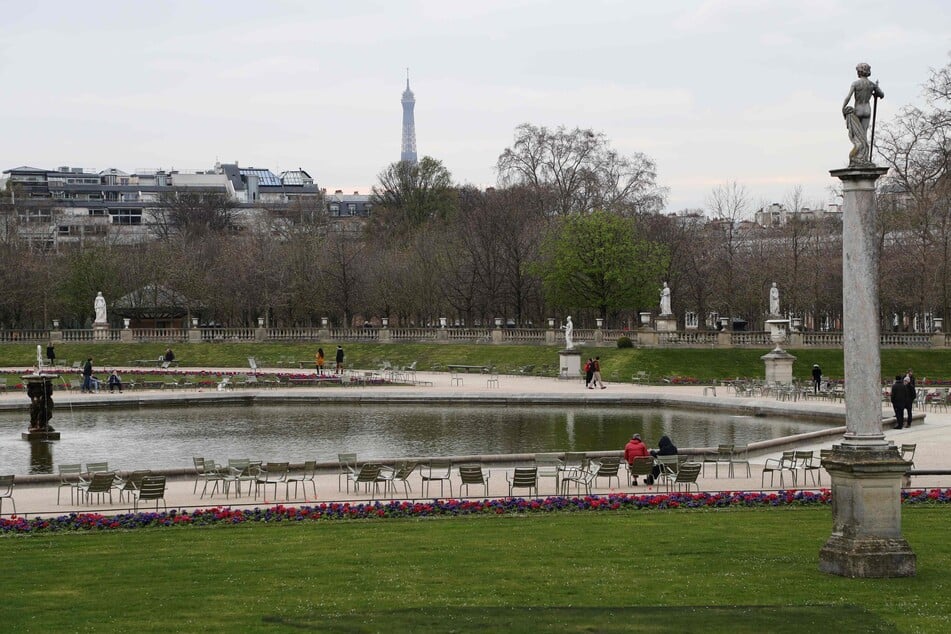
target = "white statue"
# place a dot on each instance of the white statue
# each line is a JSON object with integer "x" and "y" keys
{"x": 100, "y": 306}
{"x": 665, "y": 301}
{"x": 569, "y": 330}
{"x": 774, "y": 300}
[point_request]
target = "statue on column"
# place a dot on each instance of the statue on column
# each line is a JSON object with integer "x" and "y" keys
{"x": 857, "y": 117}
{"x": 774, "y": 300}
{"x": 100, "y": 307}
{"x": 665, "y": 300}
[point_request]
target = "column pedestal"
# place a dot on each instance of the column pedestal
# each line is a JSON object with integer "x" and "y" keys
{"x": 569, "y": 362}
{"x": 666, "y": 323}
{"x": 866, "y": 538}
{"x": 100, "y": 331}
{"x": 779, "y": 366}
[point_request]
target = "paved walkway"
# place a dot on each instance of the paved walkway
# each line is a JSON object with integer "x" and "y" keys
{"x": 933, "y": 437}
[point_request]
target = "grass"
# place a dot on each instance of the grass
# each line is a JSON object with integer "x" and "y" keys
{"x": 703, "y": 365}
{"x": 736, "y": 570}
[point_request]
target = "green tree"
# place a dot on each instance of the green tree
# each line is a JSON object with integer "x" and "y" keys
{"x": 598, "y": 261}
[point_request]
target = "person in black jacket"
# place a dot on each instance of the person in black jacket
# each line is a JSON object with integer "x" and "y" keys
{"x": 664, "y": 448}
{"x": 912, "y": 393}
{"x": 816, "y": 377}
{"x": 339, "y": 360}
{"x": 899, "y": 396}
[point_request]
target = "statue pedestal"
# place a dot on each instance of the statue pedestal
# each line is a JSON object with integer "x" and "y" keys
{"x": 866, "y": 538}
{"x": 569, "y": 360}
{"x": 39, "y": 435}
{"x": 779, "y": 366}
{"x": 665, "y": 323}
{"x": 100, "y": 331}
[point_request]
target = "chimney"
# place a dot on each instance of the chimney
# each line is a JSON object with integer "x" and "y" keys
{"x": 339, "y": 191}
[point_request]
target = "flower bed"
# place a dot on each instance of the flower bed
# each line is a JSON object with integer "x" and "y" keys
{"x": 439, "y": 508}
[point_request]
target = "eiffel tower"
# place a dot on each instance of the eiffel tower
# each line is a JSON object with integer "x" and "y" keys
{"x": 408, "y": 149}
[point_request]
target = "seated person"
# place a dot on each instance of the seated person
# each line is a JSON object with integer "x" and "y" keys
{"x": 664, "y": 448}
{"x": 94, "y": 383}
{"x": 169, "y": 356}
{"x": 115, "y": 383}
{"x": 635, "y": 448}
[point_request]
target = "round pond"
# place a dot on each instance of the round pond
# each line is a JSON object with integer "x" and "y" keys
{"x": 169, "y": 437}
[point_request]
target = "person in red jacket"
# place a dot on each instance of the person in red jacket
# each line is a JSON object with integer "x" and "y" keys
{"x": 635, "y": 448}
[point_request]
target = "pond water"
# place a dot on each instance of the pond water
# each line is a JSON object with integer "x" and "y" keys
{"x": 169, "y": 437}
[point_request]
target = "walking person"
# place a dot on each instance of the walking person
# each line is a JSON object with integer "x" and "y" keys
{"x": 87, "y": 376}
{"x": 596, "y": 377}
{"x": 320, "y": 360}
{"x": 912, "y": 394}
{"x": 588, "y": 373}
{"x": 898, "y": 397}
{"x": 339, "y": 359}
{"x": 51, "y": 354}
{"x": 816, "y": 377}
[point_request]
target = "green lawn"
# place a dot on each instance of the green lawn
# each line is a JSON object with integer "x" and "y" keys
{"x": 618, "y": 365}
{"x": 735, "y": 571}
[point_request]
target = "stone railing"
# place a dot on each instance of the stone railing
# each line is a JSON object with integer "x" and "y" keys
{"x": 171, "y": 335}
{"x": 411, "y": 335}
{"x": 753, "y": 339}
{"x": 906, "y": 340}
{"x": 583, "y": 337}
{"x": 223, "y": 334}
{"x": 822, "y": 339}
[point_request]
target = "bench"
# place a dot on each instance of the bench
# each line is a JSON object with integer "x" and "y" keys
{"x": 467, "y": 368}
{"x": 315, "y": 380}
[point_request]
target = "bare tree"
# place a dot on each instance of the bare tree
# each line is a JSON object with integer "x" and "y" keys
{"x": 581, "y": 171}
{"x": 411, "y": 194}
{"x": 193, "y": 213}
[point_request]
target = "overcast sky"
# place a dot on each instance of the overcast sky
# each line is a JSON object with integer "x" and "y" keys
{"x": 714, "y": 91}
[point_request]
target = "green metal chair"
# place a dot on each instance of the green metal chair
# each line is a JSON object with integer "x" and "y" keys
{"x": 368, "y": 474}
{"x": 523, "y": 478}
{"x": 308, "y": 474}
{"x": 102, "y": 482}
{"x": 787, "y": 462}
{"x": 6, "y": 492}
{"x": 436, "y": 470}
{"x": 271, "y": 474}
{"x": 70, "y": 475}
{"x": 685, "y": 477}
{"x": 473, "y": 474}
{"x": 640, "y": 466}
{"x": 152, "y": 487}
{"x": 346, "y": 467}
{"x": 609, "y": 467}
{"x": 132, "y": 483}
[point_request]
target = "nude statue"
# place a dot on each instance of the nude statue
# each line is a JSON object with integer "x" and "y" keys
{"x": 857, "y": 117}
{"x": 569, "y": 332}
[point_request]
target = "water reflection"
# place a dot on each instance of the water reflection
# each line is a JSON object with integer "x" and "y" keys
{"x": 41, "y": 456}
{"x": 169, "y": 437}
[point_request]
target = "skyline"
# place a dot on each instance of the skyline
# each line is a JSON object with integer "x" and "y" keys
{"x": 714, "y": 91}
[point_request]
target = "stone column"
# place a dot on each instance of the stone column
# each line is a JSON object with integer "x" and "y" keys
{"x": 866, "y": 470}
